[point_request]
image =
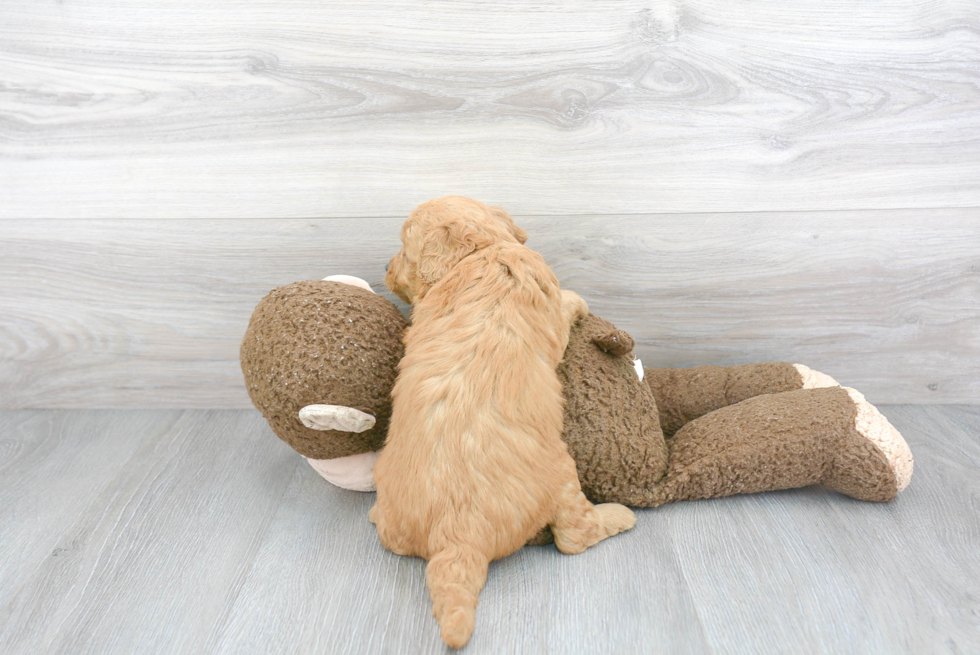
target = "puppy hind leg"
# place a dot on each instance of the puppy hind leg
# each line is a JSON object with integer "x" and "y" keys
{"x": 578, "y": 524}
{"x": 390, "y": 538}
{"x": 455, "y": 575}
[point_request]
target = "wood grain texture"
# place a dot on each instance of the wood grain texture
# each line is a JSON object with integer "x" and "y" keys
{"x": 810, "y": 571}
{"x": 54, "y": 465}
{"x": 145, "y": 313}
{"x": 305, "y": 108}
{"x": 154, "y": 561}
{"x": 214, "y": 537}
{"x": 358, "y": 598}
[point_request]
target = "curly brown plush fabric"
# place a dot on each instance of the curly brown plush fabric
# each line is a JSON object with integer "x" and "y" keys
{"x": 778, "y": 441}
{"x": 611, "y": 426}
{"x": 617, "y": 342}
{"x": 317, "y": 342}
{"x": 684, "y": 394}
{"x": 745, "y": 428}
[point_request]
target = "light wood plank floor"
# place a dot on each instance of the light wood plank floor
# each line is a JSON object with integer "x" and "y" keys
{"x": 167, "y": 531}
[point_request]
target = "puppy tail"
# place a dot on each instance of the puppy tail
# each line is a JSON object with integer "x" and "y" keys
{"x": 456, "y": 574}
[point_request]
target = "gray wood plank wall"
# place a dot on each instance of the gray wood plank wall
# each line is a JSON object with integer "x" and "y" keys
{"x": 310, "y": 108}
{"x": 731, "y": 182}
{"x": 123, "y": 313}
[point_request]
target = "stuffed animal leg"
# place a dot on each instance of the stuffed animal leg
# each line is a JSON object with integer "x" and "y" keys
{"x": 830, "y": 436}
{"x": 684, "y": 394}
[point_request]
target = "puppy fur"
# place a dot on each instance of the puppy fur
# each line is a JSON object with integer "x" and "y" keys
{"x": 474, "y": 465}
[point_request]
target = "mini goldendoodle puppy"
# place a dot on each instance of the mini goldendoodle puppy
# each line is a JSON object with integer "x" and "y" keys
{"x": 474, "y": 465}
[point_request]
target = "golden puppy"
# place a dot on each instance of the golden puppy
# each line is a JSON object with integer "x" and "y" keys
{"x": 474, "y": 465}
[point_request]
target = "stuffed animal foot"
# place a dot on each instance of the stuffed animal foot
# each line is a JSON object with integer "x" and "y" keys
{"x": 828, "y": 435}
{"x": 855, "y": 471}
{"x": 811, "y": 379}
{"x": 336, "y": 417}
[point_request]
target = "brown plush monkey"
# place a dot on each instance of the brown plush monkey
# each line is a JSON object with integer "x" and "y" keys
{"x": 319, "y": 360}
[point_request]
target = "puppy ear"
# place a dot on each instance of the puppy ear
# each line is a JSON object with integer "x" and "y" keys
{"x": 505, "y": 218}
{"x": 445, "y": 245}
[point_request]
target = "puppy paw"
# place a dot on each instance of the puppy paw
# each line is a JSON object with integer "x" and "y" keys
{"x": 616, "y": 518}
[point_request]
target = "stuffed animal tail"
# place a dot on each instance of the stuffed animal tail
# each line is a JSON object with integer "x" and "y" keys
{"x": 456, "y": 574}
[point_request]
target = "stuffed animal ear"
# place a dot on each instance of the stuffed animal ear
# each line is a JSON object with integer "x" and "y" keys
{"x": 617, "y": 342}
{"x": 445, "y": 245}
{"x": 336, "y": 417}
{"x": 505, "y": 218}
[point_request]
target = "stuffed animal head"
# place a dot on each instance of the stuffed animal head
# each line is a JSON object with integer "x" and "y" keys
{"x": 319, "y": 360}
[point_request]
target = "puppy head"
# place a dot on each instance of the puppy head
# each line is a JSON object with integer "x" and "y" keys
{"x": 440, "y": 233}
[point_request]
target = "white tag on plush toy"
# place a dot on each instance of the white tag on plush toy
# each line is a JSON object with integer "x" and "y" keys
{"x": 638, "y": 365}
